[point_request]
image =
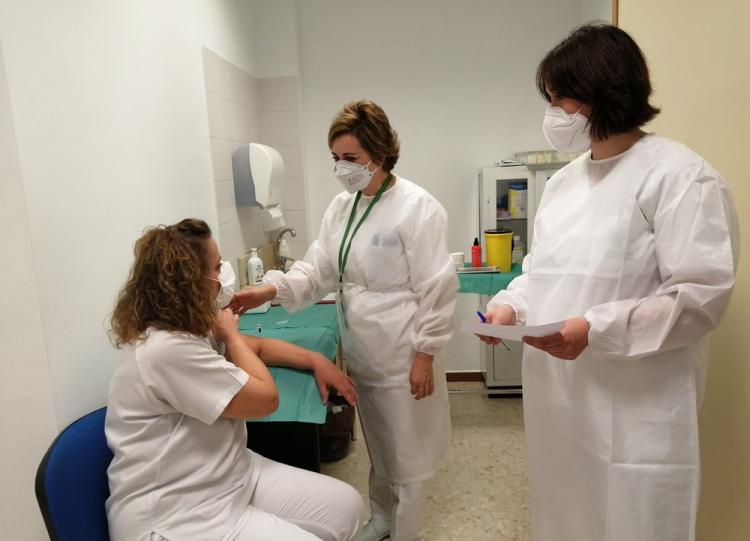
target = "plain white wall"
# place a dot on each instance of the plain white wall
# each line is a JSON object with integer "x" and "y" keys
{"x": 596, "y": 10}
{"x": 27, "y": 410}
{"x": 456, "y": 79}
{"x": 226, "y": 27}
{"x": 275, "y": 37}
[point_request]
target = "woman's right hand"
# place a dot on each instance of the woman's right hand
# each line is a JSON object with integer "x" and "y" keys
{"x": 226, "y": 325}
{"x": 251, "y": 297}
{"x": 502, "y": 315}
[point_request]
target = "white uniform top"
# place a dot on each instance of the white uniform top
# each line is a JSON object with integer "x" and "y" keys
{"x": 645, "y": 245}
{"x": 179, "y": 469}
{"x": 399, "y": 292}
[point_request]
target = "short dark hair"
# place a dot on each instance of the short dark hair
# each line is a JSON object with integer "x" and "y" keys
{"x": 366, "y": 120}
{"x": 602, "y": 66}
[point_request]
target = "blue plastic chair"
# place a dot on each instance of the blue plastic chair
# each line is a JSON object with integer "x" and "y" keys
{"x": 71, "y": 481}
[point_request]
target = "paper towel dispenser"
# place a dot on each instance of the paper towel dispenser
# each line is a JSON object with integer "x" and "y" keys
{"x": 257, "y": 171}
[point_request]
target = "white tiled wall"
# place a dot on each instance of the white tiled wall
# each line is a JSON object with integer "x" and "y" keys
{"x": 244, "y": 109}
{"x": 232, "y": 100}
{"x": 280, "y": 128}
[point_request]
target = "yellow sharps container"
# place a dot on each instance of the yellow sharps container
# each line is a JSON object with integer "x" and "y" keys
{"x": 499, "y": 244}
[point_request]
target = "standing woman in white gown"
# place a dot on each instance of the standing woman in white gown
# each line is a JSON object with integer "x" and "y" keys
{"x": 382, "y": 247}
{"x": 635, "y": 248}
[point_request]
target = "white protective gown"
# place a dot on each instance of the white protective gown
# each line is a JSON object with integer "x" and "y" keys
{"x": 399, "y": 294}
{"x": 645, "y": 246}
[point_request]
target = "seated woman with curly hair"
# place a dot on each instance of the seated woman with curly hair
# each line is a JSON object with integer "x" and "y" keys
{"x": 177, "y": 407}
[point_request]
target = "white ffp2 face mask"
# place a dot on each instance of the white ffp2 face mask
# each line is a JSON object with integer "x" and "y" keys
{"x": 565, "y": 131}
{"x": 226, "y": 284}
{"x": 353, "y": 177}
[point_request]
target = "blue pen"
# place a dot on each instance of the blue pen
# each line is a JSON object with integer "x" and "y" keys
{"x": 484, "y": 320}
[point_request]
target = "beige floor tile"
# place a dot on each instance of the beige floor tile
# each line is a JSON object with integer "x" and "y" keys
{"x": 482, "y": 493}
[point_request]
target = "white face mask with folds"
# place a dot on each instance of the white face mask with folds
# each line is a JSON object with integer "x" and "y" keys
{"x": 226, "y": 284}
{"x": 566, "y": 132}
{"x": 353, "y": 177}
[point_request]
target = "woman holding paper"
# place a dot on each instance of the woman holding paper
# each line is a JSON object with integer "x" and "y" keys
{"x": 635, "y": 249}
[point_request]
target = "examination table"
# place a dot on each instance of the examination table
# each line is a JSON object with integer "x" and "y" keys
{"x": 290, "y": 435}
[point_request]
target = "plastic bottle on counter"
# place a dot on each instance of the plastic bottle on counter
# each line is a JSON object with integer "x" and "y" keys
{"x": 518, "y": 250}
{"x": 476, "y": 254}
{"x": 254, "y": 268}
{"x": 255, "y": 278}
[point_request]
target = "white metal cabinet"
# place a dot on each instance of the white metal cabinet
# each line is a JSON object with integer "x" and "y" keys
{"x": 500, "y": 367}
{"x": 493, "y": 186}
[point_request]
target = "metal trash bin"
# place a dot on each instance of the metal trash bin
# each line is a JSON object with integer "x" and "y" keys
{"x": 336, "y": 434}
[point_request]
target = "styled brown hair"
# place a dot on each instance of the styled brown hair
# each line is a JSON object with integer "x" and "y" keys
{"x": 602, "y": 66}
{"x": 367, "y": 121}
{"x": 167, "y": 287}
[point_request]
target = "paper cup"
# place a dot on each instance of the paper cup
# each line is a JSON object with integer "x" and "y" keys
{"x": 458, "y": 260}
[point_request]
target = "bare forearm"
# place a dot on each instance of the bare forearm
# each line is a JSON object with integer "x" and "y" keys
{"x": 241, "y": 353}
{"x": 267, "y": 291}
{"x": 259, "y": 397}
{"x": 279, "y": 353}
{"x": 250, "y": 297}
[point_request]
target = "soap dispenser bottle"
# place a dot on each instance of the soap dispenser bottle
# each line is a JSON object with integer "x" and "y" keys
{"x": 254, "y": 268}
{"x": 255, "y": 279}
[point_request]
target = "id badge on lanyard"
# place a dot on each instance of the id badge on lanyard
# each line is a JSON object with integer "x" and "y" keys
{"x": 347, "y": 246}
{"x": 340, "y": 308}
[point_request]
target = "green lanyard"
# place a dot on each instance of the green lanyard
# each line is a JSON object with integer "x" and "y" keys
{"x": 344, "y": 253}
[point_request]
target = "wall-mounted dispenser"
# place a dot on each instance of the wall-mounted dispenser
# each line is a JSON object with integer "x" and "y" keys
{"x": 257, "y": 171}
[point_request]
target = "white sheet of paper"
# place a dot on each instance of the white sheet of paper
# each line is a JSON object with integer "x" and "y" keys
{"x": 510, "y": 332}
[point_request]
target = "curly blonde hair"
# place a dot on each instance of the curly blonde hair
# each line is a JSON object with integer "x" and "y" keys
{"x": 167, "y": 286}
{"x": 366, "y": 120}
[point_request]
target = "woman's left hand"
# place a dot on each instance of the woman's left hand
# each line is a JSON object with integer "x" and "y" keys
{"x": 567, "y": 343}
{"x": 327, "y": 374}
{"x": 420, "y": 378}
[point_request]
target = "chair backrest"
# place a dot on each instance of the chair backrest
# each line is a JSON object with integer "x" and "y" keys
{"x": 71, "y": 481}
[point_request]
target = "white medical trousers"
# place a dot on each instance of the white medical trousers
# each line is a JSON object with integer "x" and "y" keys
{"x": 291, "y": 504}
{"x": 401, "y": 506}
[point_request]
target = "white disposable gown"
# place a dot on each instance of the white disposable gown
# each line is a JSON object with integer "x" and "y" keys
{"x": 399, "y": 293}
{"x": 645, "y": 246}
